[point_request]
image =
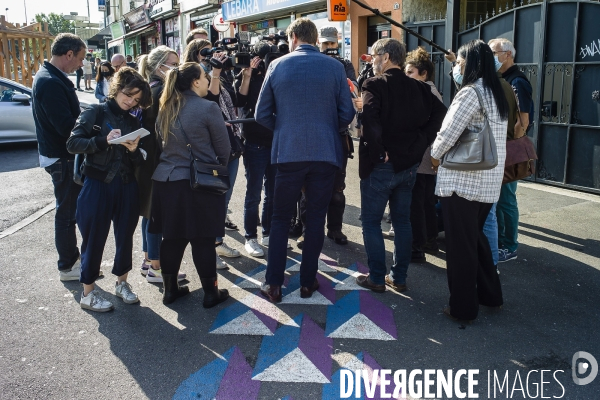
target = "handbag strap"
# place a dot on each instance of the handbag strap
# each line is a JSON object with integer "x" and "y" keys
{"x": 188, "y": 145}
{"x": 485, "y": 116}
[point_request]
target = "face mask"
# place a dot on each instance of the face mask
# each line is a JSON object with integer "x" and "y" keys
{"x": 105, "y": 74}
{"x": 497, "y": 63}
{"x": 206, "y": 68}
{"x": 458, "y": 77}
{"x": 168, "y": 66}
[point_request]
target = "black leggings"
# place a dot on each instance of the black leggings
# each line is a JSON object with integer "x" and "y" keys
{"x": 203, "y": 253}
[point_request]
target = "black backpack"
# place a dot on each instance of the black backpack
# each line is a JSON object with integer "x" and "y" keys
{"x": 78, "y": 176}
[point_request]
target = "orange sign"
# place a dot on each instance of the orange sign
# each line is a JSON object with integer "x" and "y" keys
{"x": 337, "y": 10}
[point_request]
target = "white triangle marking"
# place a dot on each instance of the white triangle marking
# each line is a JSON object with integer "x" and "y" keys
{"x": 293, "y": 367}
{"x": 349, "y": 283}
{"x": 246, "y": 324}
{"x": 316, "y": 298}
{"x": 322, "y": 266}
{"x": 360, "y": 327}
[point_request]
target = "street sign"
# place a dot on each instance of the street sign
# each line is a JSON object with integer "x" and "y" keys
{"x": 337, "y": 10}
{"x": 219, "y": 24}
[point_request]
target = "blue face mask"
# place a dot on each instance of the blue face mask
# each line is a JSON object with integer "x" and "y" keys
{"x": 458, "y": 77}
{"x": 497, "y": 63}
{"x": 206, "y": 68}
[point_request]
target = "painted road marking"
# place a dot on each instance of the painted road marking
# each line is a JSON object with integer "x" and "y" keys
{"x": 325, "y": 295}
{"x": 347, "y": 277}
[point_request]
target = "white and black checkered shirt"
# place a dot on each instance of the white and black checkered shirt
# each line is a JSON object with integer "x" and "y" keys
{"x": 465, "y": 112}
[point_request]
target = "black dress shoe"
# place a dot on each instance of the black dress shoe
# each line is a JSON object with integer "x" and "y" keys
{"x": 271, "y": 292}
{"x": 300, "y": 241}
{"x": 365, "y": 281}
{"x": 417, "y": 256}
{"x": 306, "y": 292}
{"x": 338, "y": 237}
{"x": 431, "y": 247}
{"x": 447, "y": 313}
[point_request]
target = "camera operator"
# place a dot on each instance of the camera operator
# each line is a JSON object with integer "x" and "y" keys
{"x": 257, "y": 155}
{"x": 328, "y": 40}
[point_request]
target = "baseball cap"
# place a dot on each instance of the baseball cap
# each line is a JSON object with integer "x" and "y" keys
{"x": 328, "y": 34}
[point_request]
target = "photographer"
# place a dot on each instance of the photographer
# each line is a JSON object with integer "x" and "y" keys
{"x": 257, "y": 155}
{"x": 328, "y": 41}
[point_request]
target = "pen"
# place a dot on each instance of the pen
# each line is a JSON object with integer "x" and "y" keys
{"x": 111, "y": 128}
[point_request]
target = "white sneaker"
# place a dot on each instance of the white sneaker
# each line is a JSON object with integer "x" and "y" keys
{"x": 155, "y": 276}
{"x": 391, "y": 233}
{"x": 265, "y": 242}
{"x": 253, "y": 249}
{"x": 95, "y": 302}
{"x": 221, "y": 264}
{"x": 225, "y": 251}
{"x": 123, "y": 290}
{"x": 73, "y": 274}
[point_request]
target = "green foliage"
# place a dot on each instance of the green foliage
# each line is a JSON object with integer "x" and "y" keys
{"x": 56, "y": 23}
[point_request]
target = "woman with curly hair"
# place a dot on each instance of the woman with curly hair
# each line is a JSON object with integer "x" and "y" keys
{"x": 422, "y": 210}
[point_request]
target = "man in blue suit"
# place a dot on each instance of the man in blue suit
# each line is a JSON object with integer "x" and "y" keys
{"x": 305, "y": 100}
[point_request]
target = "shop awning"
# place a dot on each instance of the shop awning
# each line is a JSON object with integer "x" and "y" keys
{"x": 116, "y": 42}
{"x": 99, "y": 37}
{"x": 139, "y": 31}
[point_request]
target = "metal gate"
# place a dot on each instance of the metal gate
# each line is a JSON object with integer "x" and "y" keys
{"x": 558, "y": 48}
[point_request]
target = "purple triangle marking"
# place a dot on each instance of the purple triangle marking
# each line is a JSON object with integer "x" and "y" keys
{"x": 265, "y": 319}
{"x": 316, "y": 346}
{"x": 378, "y": 312}
{"x": 325, "y": 288}
{"x": 362, "y": 268}
{"x": 328, "y": 260}
{"x": 371, "y": 363}
{"x": 237, "y": 382}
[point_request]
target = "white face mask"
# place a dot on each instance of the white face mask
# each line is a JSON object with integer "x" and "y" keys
{"x": 497, "y": 63}
{"x": 168, "y": 66}
{"x": 456, "y": 74}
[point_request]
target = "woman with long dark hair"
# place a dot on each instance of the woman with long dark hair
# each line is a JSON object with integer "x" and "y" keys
{"x": 110, "y": 191}
{"x": 467, "y": 196}
{"x": 185, "y": 216}
{"x": 103, "y": 76}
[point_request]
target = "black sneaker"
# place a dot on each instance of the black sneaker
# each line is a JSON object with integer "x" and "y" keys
{"x": 230, "y": 226}
{"x": 295, "y": 230}
{"x": 417, "y": 256}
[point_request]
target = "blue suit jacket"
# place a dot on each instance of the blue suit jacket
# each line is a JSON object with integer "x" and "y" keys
{"x": 305, "y": 101}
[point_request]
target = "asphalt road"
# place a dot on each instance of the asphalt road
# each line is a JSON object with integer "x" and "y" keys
{"x": 52, "y": 349}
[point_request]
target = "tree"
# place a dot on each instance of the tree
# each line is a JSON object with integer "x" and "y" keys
{"x": 56, "y": 23}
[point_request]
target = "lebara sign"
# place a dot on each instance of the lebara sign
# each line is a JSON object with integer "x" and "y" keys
{"x": 236, "y": 9}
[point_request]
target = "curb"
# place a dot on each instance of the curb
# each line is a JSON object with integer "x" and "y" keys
{"x": 23, "y": 223}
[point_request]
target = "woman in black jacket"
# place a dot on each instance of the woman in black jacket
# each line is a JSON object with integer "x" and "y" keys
{"x": 110, "y": 191}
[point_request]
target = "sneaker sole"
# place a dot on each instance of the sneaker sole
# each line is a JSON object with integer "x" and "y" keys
{"x": 128, "y": 301}
{"x": 229, "y": 255}
{"x": 154, "y": 279}
{"x": 86, "y": 307}
{"x": 508, "y": 259}
{"x": 256, "y": 255}
{"x": 231, "y": 229}
{"x": 222, "y": 268}
{"x": 69, "y": 278}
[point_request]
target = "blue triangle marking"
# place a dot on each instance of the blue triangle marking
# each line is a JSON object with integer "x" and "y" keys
{"x": 250, "y": 274}
{"x": 274, "y": 348}
{"x": 332, "y": 390}
{"x": 293, "y": 285}
{"x": 340, "y": 312}
{"x": 204, "y": 383}
{"x": 229, "y": 314}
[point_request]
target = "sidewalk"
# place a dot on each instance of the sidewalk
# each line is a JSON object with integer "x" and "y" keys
{"x": 247, "y": 348}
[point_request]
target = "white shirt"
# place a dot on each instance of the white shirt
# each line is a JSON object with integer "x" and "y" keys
{"x": 87, "y": 67}
{"x": 465, "y": 112}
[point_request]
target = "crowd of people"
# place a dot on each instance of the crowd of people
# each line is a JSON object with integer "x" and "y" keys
{"x": 303, "y": 107}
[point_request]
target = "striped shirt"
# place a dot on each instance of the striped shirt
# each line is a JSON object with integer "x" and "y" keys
{"x": 465, "y": 112}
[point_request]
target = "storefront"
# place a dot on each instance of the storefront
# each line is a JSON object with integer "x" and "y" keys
{"x": 117, "y": 44}
{"x": 139, "y": 28}
{"x": 199, "y": 14}
{"x": 263, "y": 17}
{"x": 166, "y": 15}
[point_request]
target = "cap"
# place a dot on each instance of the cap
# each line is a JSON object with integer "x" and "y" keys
{"x": 328, "y": 34}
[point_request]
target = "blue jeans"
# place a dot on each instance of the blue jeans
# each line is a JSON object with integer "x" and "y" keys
{"x": 490, "y": 229}
{"x": 232, "y": 169}
{"x": 381, "y": 187}
{"x": 150, "y": 241}
{"x": 65, "y": 192}
{"x": 508, "y": 217}
{"x": 317, "y": 179}
{"x": 259, "y": 172}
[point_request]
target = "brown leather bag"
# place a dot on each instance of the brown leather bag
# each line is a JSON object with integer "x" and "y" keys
{"x": 520, "y": 156}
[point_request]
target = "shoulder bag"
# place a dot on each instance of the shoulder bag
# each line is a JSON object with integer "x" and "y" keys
{"x": 78, "y": 176}
{"x": 209, "y": 178}
{"x": 520, "y": 156}
{"x": 473, "y": 151}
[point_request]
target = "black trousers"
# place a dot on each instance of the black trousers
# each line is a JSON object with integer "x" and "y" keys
{"x": 203, "y": 254}
{"x": 472, "y": 276}
{"x": 423, "y": 217}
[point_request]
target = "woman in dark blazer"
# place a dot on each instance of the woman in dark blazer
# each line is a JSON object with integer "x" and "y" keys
{"x": 110, "y": 191}
{"x": 180, "y": 213}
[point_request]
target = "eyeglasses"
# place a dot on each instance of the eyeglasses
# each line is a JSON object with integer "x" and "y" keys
{"x": 376, "y": 54}
{"x": 498, "y": 52}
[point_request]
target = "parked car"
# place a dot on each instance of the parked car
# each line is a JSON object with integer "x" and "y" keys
{"x": 16, "y": 122}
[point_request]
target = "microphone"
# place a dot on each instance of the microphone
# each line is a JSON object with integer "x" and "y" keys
{"x": 366, "y": 58}
{"x": 352, "y": 88}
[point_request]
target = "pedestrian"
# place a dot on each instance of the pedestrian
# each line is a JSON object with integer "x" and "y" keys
{"x": 153, "y": 67}
{"x": 423, "y": 219}
{"x": 79, "y": 75}
{"x": 216, "y": 93}
{"x": 467, "y": 196}
{"x": 87, "y": 72}
{"x": 110, "y": 191}
{"x": 55, "y": 109}
{"x": 185, "y": 216}
{"x": 118, "y": 61}
{"x": 198, "y": 33}
{"x": 103, "y": 78}
{"x": 507, "y": 209}
{"x": 257, "y": 155}
{"x": 130, "y": 63}
{"x": 400, "y": 117}
{"x": 306, "y": 116}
